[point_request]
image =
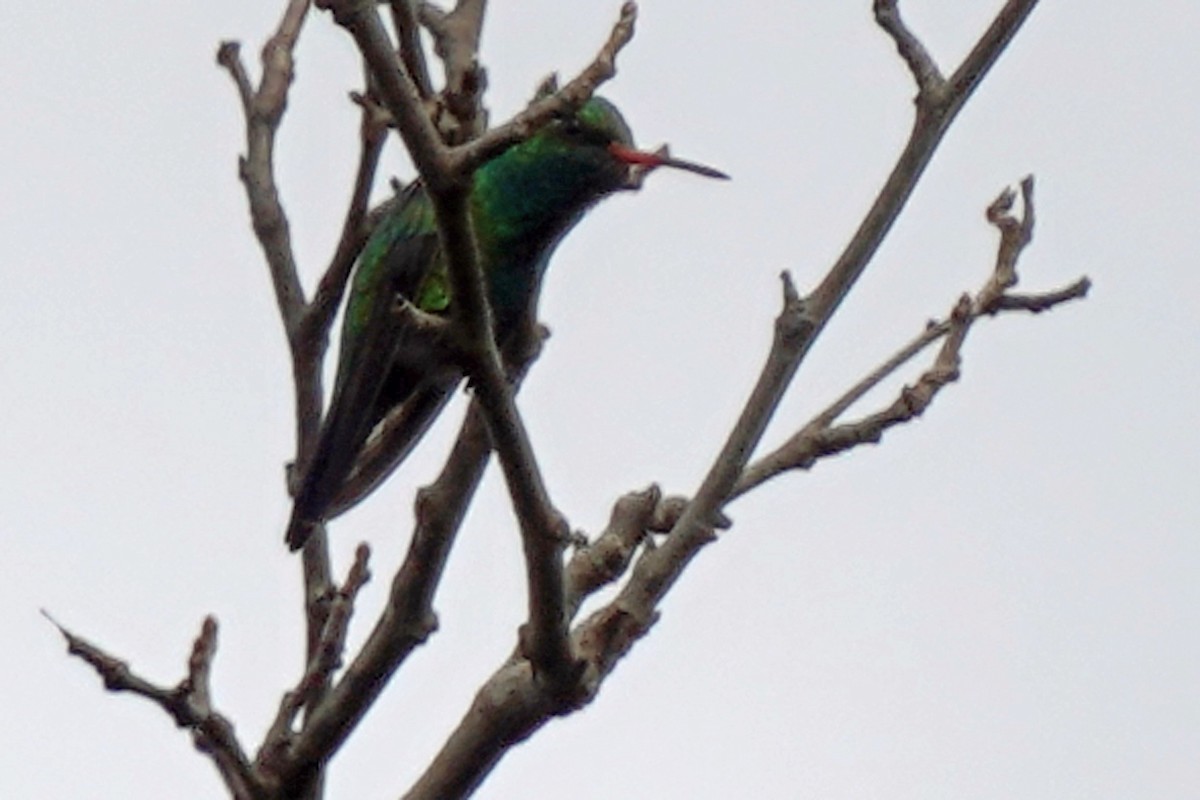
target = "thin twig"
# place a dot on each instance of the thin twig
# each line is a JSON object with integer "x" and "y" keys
{"x": 634, "y": 518}
{"x": 320, "y": 313}
{"x": 468, "y": 156}
{"x": 456, "y": 41}
{"x": 189, "y": 704}
{"x": 983, "y": 55}
{"x": 264, "y": 110}
{"x": 400, "y": 95}
{"x": 1043, "y": 301}
{"x": 324, "y": 661}
{"x": 935, "y": 113}
{"x": 1015, "y": 236}
{"x": 603, "y": 561}
{"x": 820, "y": 438}
{"x": 408, "y": 34}
{"x": 920, "y": 63}
{"x": 229, "y": 56}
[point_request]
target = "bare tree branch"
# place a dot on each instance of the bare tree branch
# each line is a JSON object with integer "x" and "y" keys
{"x": 820, "y": 438}
{"x": 607, "y": 635}
{"x": 989, "y": 47}
{"x": 1043, "y": 301}
{"x": 1015, "y": 236}
{"x": 936, "y": 110}
{"x": 511, "y": 705}
{"x": 404, "y": 18}
{"x": 264, "y": 110}
{"x": 600, "y": 563}
{"x": 540, "y": 523}
{"x": 543, "y": 528}
{"x": 319, "y": 316}
{"x": 634, "y": 517}
{"x": 397, "y": 90}
{"x": 456, "y": 42}
{"x": 229, "y": 56}
{"x": 189, "y": 703}
{"x": 602, "y": 68}
{"x": 656, "y": 571}
{"x": 324, "y": 661}
{"x": 408, "y": 619}
{"x": 514, "y": 703}
{"x": 920, "y": 63}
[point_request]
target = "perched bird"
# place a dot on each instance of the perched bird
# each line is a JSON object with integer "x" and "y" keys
{"x": 522, "y": 203}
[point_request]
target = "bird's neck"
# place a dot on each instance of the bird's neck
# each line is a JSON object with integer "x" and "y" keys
{"x": 523, "y": 203}
{"x": 536, "y": 190}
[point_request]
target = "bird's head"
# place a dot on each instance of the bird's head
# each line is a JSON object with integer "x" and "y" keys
{"x": 540, "y": 187}
{"x": 577, "y": 158}
{"x": 598, "y": 132}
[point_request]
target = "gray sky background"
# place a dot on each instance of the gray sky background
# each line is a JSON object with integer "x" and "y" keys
{"x": 1000, "y": 601}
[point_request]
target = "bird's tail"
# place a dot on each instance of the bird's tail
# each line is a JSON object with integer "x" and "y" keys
{"x": 337, "y": 447}
{"x": 353, "y": 413}
{"x": 321, "y": 497}
{"x": 299, "y": 530}
{"x": 398, "y": 436}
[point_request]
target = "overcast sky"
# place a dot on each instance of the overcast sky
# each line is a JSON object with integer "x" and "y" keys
{"x": 1001, "y": 601}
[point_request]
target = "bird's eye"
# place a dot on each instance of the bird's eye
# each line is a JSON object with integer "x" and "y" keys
{"x": 571, "y": 127}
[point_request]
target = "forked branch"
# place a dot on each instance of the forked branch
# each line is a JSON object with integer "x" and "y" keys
{"x": 821, "y": 437}
{"x": 189, "y": 703}
{"x": 511, "y": 706}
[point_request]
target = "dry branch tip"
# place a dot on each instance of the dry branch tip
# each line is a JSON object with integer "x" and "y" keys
{"x": 920, "y": 63}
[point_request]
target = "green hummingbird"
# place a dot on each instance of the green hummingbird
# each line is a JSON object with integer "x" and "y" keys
{"x": 522, "y": 203}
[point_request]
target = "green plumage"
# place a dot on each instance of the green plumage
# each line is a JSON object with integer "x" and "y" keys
{"x": 522, "y": 203}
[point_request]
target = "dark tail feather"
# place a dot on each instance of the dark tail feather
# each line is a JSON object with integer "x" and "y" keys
{"x": 299, "y": 531}
{"x": 383, "y": 454}
{"x": 345, "y": 431}
{"x": 324, "y": 492}
{"x": 337, "y": 448}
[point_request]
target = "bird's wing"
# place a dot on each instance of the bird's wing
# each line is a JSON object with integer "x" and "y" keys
{"x": 396, "y": 438}
{"x": 393, "y": 263}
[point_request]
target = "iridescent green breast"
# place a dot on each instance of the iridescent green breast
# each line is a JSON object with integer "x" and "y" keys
{"x": 524, "y": 201}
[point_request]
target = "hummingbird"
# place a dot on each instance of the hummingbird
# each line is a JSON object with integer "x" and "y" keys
{"x": 522, "y": 203}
